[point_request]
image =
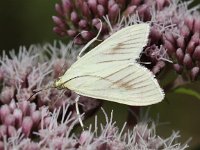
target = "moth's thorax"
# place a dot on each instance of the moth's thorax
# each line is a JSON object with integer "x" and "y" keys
{"x": 59, "y": 83}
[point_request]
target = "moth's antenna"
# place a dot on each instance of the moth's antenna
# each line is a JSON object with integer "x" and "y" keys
{"x": 35, "y": 92}
{"x": 77, "y": 36}
{"x": 91, "y": 41}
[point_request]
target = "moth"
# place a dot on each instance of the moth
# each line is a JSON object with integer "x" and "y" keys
{"x": 111, "y": 72}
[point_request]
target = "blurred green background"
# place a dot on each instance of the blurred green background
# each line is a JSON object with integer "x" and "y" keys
{"x": 26, "y": 22}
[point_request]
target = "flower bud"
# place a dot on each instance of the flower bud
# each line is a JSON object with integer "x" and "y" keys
{"x": 187, "y": 61}
{"x": 196, "y": 54}
{"x": 195, "y": 38}
{"x": 58, "y": 9}
{"x": 24, "y": 106}
{"x": 7, "y": 94}
{"x": 170, "y": 48}
{"x": 135, "y": 2}
{"x": 155, "y": 35}
{"x": 27, "y": 125}
{"x": 32, "y": 108}
{"x": 103, "y": 2}
{"x": 1, "y": 145}
{"x": 189, "y": 21}
{"x": 113, "y": 12}
{"x": 178, "y": 68}
{"x": 144, "y": 12}
{"x": 190, "y": 48}
{"x": 169, "y": 36}
{"x": 87, "y": 35}
{"x": 100, "y": 10}
{"x": 160, "y": 4}
{"x": 93, "y": 5}
{"x": 78, "y": 41}
{"x": 181, "y": 42}
{"x": 4, "y": 111}
{"x": 18, "y": 117}
{"x": 12, "y": 105}
{"x": 74, "y": 17}
{"x": 71, "y": 32}
{"x": 130, "y": 10}
{"x": 82, "y": 24}
{"x": 3, "y": 131}
{"x": 11, "y": 131}
{"x": 59, "y": 31}
{"x": 196, "y": 25}
{"x": 58, "y": 22}
{"x": 194, "y": 73}
{"x": 67, "y": 7}
{"x": 36, "y": 117}
{"x": 180, "y": 55}
{"x": 9, "y": 120}
{"x": 185, "y": 32}
{"x": 85, "y": 10}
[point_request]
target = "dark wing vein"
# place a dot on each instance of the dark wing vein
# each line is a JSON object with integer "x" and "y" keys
{"x": 108, "y": 61}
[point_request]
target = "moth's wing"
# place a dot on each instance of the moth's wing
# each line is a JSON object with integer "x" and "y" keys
{"x": 89, "y": 75}
{"x": 126, "y": 44}
{"x": 130, "y": 84}
{"x": 121, "y": 47}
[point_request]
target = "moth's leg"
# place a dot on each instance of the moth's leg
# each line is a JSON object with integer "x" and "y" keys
{"x": 78, "y": 112}
{"x": 90, "y": 42}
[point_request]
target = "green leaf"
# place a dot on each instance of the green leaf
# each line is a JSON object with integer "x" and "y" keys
{"x": 188, "y": 92}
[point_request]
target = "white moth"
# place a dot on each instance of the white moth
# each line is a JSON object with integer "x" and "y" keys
{"x": 110, "y": 71}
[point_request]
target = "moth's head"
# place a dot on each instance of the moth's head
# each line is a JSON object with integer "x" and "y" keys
{"x": 59, "y": 84}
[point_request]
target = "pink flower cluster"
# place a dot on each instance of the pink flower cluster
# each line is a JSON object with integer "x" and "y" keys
{"x": 58, "y": 135}
{"x": 30, "y": 70}
{"x": 174, "y": 33}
